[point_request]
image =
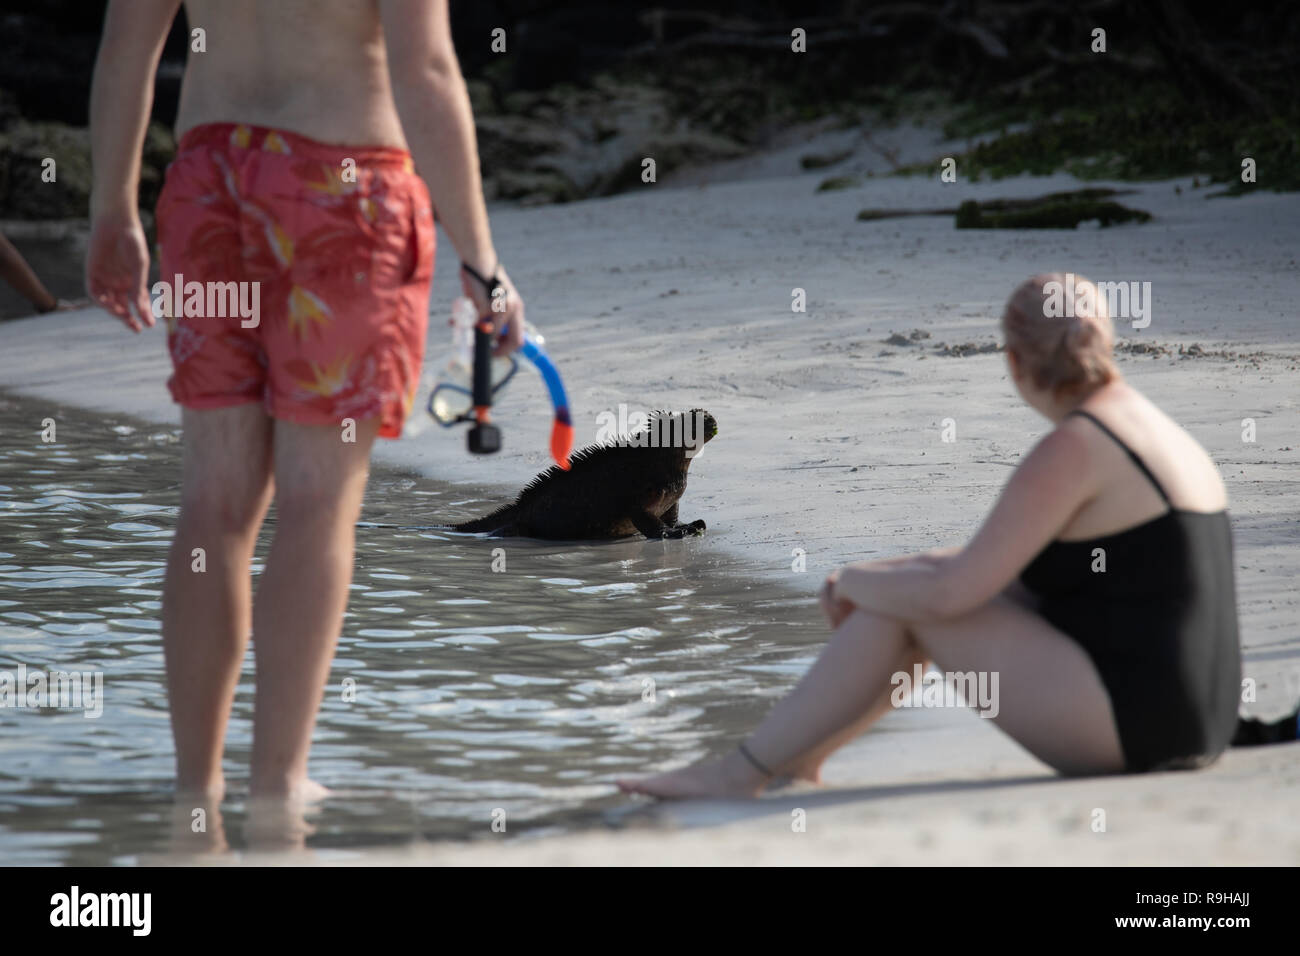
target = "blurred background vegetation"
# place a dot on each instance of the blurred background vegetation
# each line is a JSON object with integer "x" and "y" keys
{"x": 586, "y": 89}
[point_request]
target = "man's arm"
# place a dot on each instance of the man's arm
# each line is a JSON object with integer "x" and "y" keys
{"x": 433, "y": 105}
{"x": 121, "y": 95}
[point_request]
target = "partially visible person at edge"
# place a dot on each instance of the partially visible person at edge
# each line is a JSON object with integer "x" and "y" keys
{"x": 1130, "y": 667}
{"x": 300, "y": 130}
{"x": 15, "y": 271}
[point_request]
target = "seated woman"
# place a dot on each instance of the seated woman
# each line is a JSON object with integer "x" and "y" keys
{"x": 1100, "y": 588}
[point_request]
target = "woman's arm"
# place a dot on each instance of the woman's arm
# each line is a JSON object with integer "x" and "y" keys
{"x": 836, "y": 609}
{"x": 1048, "y": 488}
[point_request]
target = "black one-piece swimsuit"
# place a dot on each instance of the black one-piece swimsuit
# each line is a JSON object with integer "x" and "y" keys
{"x": 1160, "y": 624}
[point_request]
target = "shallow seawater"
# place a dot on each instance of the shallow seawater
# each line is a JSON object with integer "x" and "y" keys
{"x": 479, "y": 695}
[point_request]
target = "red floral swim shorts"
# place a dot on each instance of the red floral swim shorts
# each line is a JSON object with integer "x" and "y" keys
{"x": 294, "y": 273}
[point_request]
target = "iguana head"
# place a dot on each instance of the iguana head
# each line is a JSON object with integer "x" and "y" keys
{"x": 706, "y": 425}
{"x": 687, "y": 431}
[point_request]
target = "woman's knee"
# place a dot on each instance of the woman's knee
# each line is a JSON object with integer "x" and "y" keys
{"x": 934, "y": 636}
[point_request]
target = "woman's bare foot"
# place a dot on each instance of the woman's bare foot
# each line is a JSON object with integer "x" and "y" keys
{"x": 729, "y": 776}
{"x": 810, "y": 772}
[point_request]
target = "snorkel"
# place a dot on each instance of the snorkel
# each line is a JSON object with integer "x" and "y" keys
{"x": 562, "y": 427}
{"x": 448, "y": 403}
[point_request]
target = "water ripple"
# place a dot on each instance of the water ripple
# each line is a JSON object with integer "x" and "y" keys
{"x": 454, "y": 691}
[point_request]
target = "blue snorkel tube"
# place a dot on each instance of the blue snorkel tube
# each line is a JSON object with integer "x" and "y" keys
{"x": 452, "y": 403}
{"x": 485, "y": 437}
{"x": 562, "y": 428}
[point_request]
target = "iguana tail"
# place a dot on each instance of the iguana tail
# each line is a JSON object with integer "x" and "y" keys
{"x": 500, "y": 520}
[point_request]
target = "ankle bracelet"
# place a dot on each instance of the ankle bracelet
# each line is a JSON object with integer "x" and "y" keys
{"x": 744, "y": 751}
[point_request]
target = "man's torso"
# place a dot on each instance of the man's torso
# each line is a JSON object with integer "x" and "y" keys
{"x": 313, "y": 67}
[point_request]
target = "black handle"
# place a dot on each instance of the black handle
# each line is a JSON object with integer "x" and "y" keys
{"x": 482, "y": 381}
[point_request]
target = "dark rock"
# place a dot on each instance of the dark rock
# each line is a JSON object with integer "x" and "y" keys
{"x": 817, "y": 161}
{"x": 836, "y": 183}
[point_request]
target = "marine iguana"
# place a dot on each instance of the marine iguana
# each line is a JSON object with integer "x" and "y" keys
{"x": 612, "y": 490}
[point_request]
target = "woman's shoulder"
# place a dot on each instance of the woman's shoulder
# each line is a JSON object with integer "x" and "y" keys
{"x": 1174, "y": 459}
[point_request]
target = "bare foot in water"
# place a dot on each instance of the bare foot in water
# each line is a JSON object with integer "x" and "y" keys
{"x": 729, "y": 776}
{"x": 309, "y": 791}
{"x": 278, "y": 822}
{"x": 196, "y": 824}
{"x": 300, "y": 793}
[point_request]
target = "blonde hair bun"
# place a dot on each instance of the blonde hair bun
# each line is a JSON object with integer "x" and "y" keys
{"x": 1060, "y": 329}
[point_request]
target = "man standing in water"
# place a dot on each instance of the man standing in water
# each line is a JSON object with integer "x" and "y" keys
{"x": 300, "y": 125}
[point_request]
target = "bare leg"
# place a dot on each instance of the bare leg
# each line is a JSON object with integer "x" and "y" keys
{"x": 809, "y": 768}
{"x": 1051, "y": 699}
{"x": 847, "y": 681}
{"x": 226, "y": 484}
{"x": 320, "y": 480}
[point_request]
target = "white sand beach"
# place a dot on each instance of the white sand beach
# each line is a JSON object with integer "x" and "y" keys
{"x": 831, "y": 445}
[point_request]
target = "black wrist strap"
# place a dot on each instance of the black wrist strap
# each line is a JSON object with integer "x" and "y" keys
{"x": 491, "y": 284}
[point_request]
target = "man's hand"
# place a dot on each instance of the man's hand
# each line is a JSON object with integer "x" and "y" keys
{"x": 834, "y": 609}
{"x": 121, "y": 92}
{"x": 506, "y": 312}
{"x": 117, "y": 268}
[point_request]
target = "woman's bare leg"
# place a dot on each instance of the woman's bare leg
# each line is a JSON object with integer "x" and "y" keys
{"x": 1050, "y": 698}
{"x": 847, "y": 681}
{"x": 809, "y": 768}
